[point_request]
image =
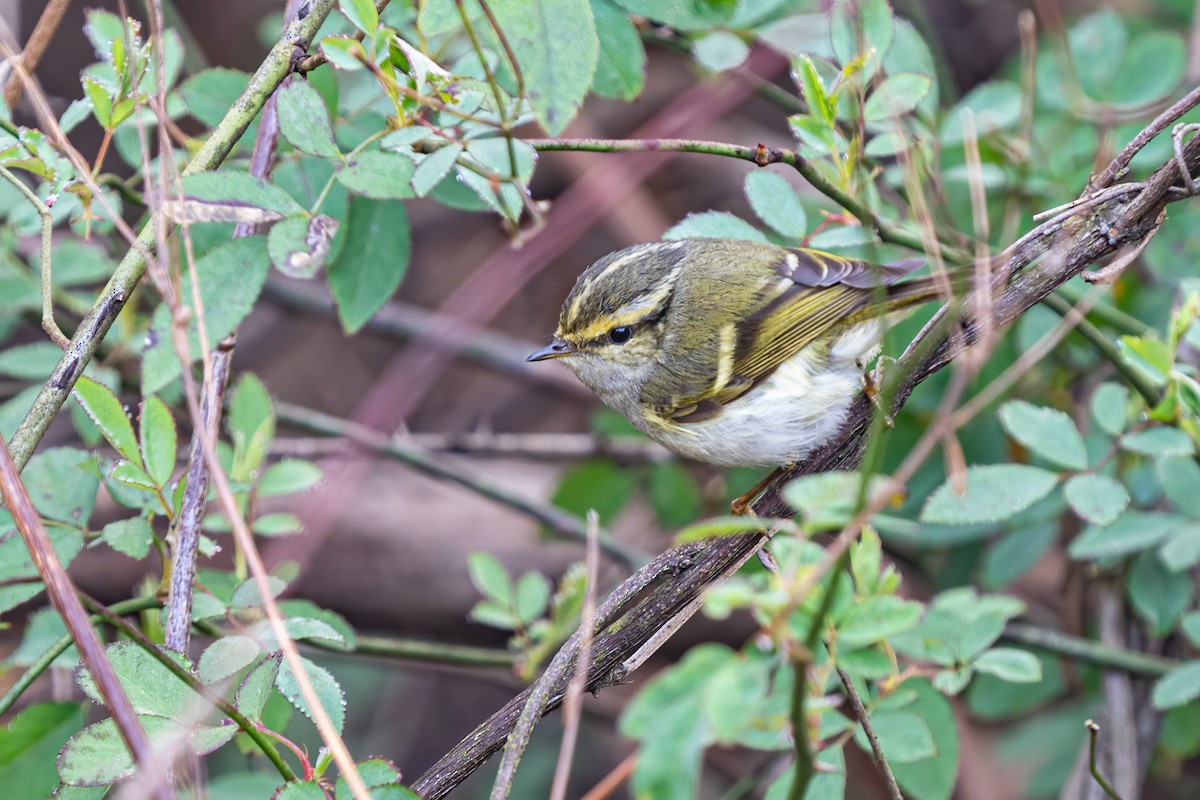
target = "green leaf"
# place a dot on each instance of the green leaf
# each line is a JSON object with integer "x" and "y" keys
{"x": 1159, "y": 596}
{"x": 131, "y": 474}
{"x": 1152, "y": 68}
{"x": 373, "y": 248}
{"x": 1108, "y": 407}
{"x": 1047, "y": 432}
{"x": 734, "y": 695}
{"x": 1190, "y": 625}
{"x": 150, "y": 687}
{"x": 621, "y": 66}
{"x": 673, "y": 494}
{"x": 776, "y": 203}
{"x": 377, "y": 773}
{"x": 1180, "y": 477}
{"x": 713, "y": 225}
{"x": 490, "y": 577}
{"x": 994, "y": 492}
{"x": 873, "y": 619}
{"x": 29, "y": 746}
{"x": 556, "y": 49}
{"x": 208, "y": 95}
{"x": 598, "y": 484}
{"x": 304, "y": 119}
{"x": 1158, "y": 442}
{"x": 257, "y": 686}
{"x": 898, "y": 95}
{"x": 1015, "y": 553}
{"x": 720, "y": 50}
{"x": 158, "y": 439}
{"x": 378, "y": 174}
{"x": 16, "y": 565}
{"x": 866, "y": 560}
{"x": 725, "y": 526}
{"x": 532, "y": 596}
{"x": 903, "y": 736}
{"x": 1133, "y": 531}
{"x": 361, "y": 13}
{"x": 300, "y": 790}
{"x": 1181, "y": 550}
{"x": 932, "y": 778}
{"x": 97, "y": 755}
{"x": 329, "y": 691}
{"x": 132, "y": 537}
{"x": 435, "y": 166}
{"x": 684, "y": 15}
{"x": 827, "y": 500}
{"x": 109, "y": 415}
{"x": 1010, "y": 664}
{"x": 861, "y": 27}
{"x": 62, "y": 484}
{"x": 1180, "y": 685}
{"x": 251, "y": 424}
{"x": 248, "y": 594}
{"x": 289, "y": 477}
{"x": 226, "y": 657}
{"x": 1149, "y": 355}
{"x": 230, "y": 276}
{"x": 277, "y": 524}
{"x": 299, "y": 245}
{"x": 994, "y": 106}
{"x": 1097, "y": 47}
{"x": 30, "y": 361}
{"x": 1097, "y": 499}
{"x": 229, "y": 196}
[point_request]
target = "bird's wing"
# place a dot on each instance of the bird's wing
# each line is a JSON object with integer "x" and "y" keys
{"x": 815, "y": 292}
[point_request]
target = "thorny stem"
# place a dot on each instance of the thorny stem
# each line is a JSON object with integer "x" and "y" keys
{"x": 864, "y": 719}
{"x": 248, "y": 726}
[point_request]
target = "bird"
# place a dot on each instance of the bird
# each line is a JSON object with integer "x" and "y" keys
{"x": 731, "y": 352}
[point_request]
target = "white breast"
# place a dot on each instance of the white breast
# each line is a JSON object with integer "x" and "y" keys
{"x": 798, "y": 408}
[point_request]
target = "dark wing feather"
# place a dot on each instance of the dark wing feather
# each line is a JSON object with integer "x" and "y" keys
{"x": 826, "y": 290}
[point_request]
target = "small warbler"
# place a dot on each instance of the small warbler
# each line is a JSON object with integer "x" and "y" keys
{"x": 731, "y": 352}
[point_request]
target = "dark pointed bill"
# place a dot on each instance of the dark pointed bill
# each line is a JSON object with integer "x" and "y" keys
{"x": 556, "y": 349}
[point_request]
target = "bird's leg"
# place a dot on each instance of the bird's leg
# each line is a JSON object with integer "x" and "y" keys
{"x": 872, "y": 386}
{"x": 741, "y": 506}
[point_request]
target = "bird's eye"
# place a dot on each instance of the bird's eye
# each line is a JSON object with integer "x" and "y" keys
{"x": 620, "y": 335}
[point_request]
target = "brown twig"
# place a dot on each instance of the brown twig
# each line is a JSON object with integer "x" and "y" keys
{"x": 63, "y": 596}
{"x": 864, "y": 719}
{"x": 35, "y": 48}
{"x": 573, "y": 704}
{"x": 1118, "y": 166}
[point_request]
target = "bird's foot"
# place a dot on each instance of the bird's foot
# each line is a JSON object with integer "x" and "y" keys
{"x": 741, "y": 507}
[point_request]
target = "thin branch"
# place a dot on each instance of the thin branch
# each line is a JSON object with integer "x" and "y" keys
{"x": 186, "y": 533}
{"x": 864, "y": 719}
{"x": 573, "y": 704}
{"x": 483, "y": 444}
{"x": 1109, "y": 351}
{"x": 129, "y": 272}
{"x": 1093, "y": 731}
{"x": 1087, "y": 651}
{"x": 562, "y": 522}
{"x": 805, "y": 767}
{"x": 62, "y": 595}
{"x": 113, "y": 617}
{"x": 47, "y": 282}
{"x": 404, "y": 322}
{"x": 311, "y": 62}
{"x": 35, "y": 48}
{"x": 60, "y": 645}
{"x": 1120, "y": 165}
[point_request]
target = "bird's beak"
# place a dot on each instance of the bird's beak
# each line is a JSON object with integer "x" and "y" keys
{"x": 556, "y": 349}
